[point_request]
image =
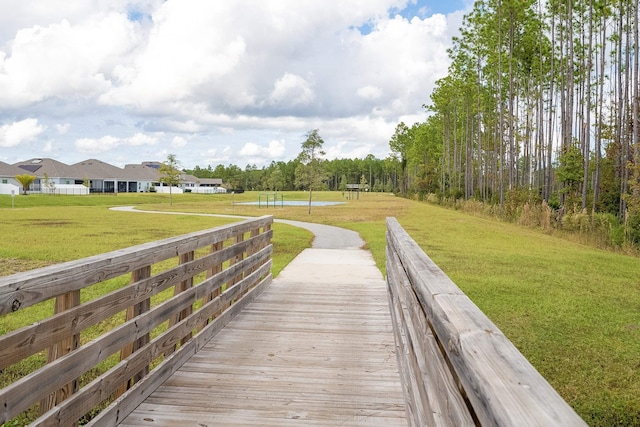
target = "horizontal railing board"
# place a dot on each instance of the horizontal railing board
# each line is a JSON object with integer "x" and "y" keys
{"x": 503, "y": 388}
{"x": 63, "y": 370}
{"x": 103, "y": 386}
{"x": 22, "y": 290}
{"x": 26, "y": 341}
{"x": 125, "y": 404}
{"x": 240, "y": 266}
{"x": 414, "y": 395}
{"x": 432, "y": 392}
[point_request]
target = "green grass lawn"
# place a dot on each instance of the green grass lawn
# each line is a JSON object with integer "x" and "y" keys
{"x": 573, "y": 311}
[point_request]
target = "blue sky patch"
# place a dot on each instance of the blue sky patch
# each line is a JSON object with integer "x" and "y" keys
{"x": 136, "y": 15}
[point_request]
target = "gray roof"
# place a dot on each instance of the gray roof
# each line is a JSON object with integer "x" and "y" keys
{"x": 185, "y": 177}
{"x": 10, "y": 171}
{"x": 210, "y": 181}
{"x": 93, "y": 169}
{"x": 96, "y": 169}
{"x": 141, "y": 173}
{"x": 41, "y": 166}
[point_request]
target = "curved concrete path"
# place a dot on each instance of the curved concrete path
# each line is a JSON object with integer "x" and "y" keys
{"x": 326, "y": 236}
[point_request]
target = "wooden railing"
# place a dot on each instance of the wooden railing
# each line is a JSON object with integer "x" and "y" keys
{"x": 456, "y": 366}
{"x": 114, "y": 349}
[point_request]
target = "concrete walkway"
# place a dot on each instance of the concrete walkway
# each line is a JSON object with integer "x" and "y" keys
{"x": 316, "y": 348}
{"x": 326, "y": 236}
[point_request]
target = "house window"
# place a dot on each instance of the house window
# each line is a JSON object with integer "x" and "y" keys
{"x": 4, "y": 181}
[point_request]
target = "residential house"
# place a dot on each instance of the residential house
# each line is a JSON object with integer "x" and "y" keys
{"x": 53, "y": 177}
{"x": 144, "y": 174}
{"x": 96, "y": 176}
{"x": 210, "y": 186}
{"x": 8, "y": 182}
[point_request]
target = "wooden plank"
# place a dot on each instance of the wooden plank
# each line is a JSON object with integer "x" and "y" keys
{"x": 67, "y": 345}
{"x": 17, "y": 396}
{"x": 501, "y": 385}
{"x": 216, "y": 247}
{"x": 31, "y": 339}
{"x": 22, "y": 290}
{"x": 266, "y": 368}
{"x": 133, "y": 312}
{"x": 439, "y": 400}
{"x": 181, "y": 287}
{"x": 123, "y": 406}
{"x": 237, "y": 239}
{"x": 410, "y": 388}
{"x": 101, "y": 388}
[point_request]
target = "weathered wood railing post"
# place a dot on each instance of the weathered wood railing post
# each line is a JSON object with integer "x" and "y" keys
{"x": 210, "y": 273}
{"x": 237, "y": 239}
{"x": 133, "y": 312}
{"x": 183, "y": 286}
{"x": 63, "y": 303}
{"x": 253, "y": 249}
{"x": 149, "y": 350}
{"x": 457, "y": 367}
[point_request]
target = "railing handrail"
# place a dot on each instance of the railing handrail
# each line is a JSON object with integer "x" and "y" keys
{"x": 500, "y": 385}
{"x": 210, "y": 287}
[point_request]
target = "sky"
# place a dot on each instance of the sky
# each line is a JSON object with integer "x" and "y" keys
{"x": 215, "y": 82}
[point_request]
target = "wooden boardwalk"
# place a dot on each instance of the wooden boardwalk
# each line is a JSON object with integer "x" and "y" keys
{"x": 316, "y": 348}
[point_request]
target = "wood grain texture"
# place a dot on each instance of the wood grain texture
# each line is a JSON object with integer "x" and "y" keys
{"x": 431, "y": 390}
{"x": 22, "y": 290}
{"x": 316, "y": 348}
{"x": 192, "y": 310}
{"x": 124, "y": 405}
{"x": 103, "y": 386}
{"x": 503, "y": 388}
{"x": 22, "y": 343}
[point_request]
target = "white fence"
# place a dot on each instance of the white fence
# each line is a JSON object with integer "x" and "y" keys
{"x": 8, "y": 188}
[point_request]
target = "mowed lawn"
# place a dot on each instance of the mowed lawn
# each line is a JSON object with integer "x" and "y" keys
{"x": 572, "y": 310}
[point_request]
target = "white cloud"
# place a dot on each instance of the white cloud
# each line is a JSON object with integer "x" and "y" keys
{"x": 274, "y": 150}
{"x": 64, "y": 60}
{"x": 204, "y": 77}
{"x": 347, "y": 149}
{"x": 48, "y": 147}
{"x": 213, "y": 156}
{"x": 291, "y": 90}
{"x": 17, "y": 133}
{"x": 97, "y": 145}
{"x": 108, "y": 143}
{"x": 18, "y": 14}
{"x": 141, "y": 139}
{"x": 188, "y": 49}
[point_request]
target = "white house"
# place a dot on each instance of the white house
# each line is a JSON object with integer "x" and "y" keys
{"x": 53, "y": 177}
{"x": 8, "y": 182}
{"x": 94, "y": 175}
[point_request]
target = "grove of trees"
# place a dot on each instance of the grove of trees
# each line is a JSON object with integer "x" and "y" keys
{"x": 539, "y": 107}
{"x": 376, "y": 174}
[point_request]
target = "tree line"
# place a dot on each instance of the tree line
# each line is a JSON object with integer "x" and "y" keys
{"x": 540, "y": 106}
{"x": 372, "y": 173}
